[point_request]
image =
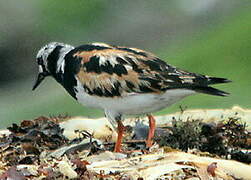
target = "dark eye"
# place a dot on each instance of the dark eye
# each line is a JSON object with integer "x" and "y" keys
{"x": 40, "y": 61}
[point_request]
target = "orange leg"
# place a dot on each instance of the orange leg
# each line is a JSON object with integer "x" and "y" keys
{"x": 151, "y": 131}
{"x": 120, "y": 137}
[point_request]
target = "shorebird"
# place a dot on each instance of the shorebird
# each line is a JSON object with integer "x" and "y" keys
{"x": 120, "y": 80}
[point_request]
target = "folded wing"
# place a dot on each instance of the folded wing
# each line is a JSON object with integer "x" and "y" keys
{"x": 110, "y": 71}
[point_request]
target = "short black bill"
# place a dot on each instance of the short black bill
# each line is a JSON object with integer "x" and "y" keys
{"x": 40, "y": 78}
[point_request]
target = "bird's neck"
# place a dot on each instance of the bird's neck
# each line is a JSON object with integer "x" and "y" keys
{"x": 56, "y": 61}
{"x": 61, "y": 58}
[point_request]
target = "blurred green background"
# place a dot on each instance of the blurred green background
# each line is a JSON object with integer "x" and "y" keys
{"x": 205, "y": 36}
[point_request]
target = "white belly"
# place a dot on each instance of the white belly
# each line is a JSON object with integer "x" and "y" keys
{"x": 133, "y": 104}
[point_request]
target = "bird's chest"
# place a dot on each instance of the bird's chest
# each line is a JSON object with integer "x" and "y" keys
{"x": 86, "y": 99}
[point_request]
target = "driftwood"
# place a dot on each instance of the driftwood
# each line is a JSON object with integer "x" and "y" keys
{"x": 101, "y": 128}
{"x": 153, "y": 166}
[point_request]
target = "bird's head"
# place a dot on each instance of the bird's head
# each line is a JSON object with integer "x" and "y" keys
{"x": 47, "y": 60}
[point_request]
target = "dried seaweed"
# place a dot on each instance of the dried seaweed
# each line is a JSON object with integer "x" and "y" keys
{"x": 226, "y": 138}
{"x": 27, "y": 141}
{"x": 38, "y": 149}
{"x": 184, "y": 135}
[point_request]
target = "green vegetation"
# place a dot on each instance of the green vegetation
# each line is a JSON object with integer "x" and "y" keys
{"x": 223, "y": 52}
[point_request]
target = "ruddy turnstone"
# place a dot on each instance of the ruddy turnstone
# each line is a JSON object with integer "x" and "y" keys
{"x": 120, "y": 80}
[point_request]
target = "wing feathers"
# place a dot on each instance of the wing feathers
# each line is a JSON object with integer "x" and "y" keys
{"x": 116, "y": 71}
{"x": 216, "y": 80}
{"x": 211, "y": 91}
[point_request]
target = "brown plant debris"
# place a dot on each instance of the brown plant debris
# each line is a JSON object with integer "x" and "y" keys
{"x": 228, "y": 138}
{"x": 38, "y": 149}
{"x": 27, "y": 141}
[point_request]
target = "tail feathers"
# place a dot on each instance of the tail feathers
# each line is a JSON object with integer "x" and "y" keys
{"x": 216, "y": 80}
{"x": 211, "y": 91}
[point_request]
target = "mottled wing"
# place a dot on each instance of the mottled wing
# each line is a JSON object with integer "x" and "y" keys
{"x": 110, "y": 71}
